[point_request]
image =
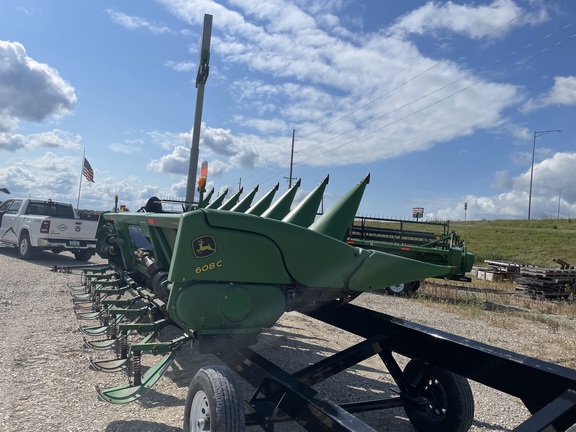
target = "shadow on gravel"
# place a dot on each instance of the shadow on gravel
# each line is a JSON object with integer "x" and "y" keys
{"x": 288, "y": 348}
{"x": 139, "y": 426}
{"x": 46, "y": 258}
{"x": 488, "y": 426}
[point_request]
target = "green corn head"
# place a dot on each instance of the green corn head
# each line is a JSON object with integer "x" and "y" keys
{"x": 224, "y": 270}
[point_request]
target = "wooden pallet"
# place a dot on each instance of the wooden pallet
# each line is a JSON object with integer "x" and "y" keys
{"x": 541, "y": 282}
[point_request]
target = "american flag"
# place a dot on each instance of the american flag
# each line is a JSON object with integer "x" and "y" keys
{"x": 87, "y": 171}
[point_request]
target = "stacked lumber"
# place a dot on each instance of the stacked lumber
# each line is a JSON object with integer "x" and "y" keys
{"x": 540, "y": 282}
{"x": 508, "y": 270}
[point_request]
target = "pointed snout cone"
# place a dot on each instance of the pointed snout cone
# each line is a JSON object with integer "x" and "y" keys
{"x": 338, "y": 218}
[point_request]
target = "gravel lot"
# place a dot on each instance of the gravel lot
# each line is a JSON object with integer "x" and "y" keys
{"x": 47, "y": 384}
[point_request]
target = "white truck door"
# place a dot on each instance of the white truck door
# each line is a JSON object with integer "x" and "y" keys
{"x": 8, "y": 227}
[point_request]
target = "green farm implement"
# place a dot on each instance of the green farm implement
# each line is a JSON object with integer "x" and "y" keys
{"x": 220, "y": 272}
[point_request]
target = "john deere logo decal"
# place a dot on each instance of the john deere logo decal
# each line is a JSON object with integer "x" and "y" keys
{"x": 204, "y": 246}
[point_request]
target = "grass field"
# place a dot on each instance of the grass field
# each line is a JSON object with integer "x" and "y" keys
{"x": 535, "y": 242}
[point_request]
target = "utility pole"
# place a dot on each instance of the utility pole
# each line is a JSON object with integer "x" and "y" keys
{"x": 291, "y": 159}
{"x": 201, "y": 78}
{"x": 536, "y": 135}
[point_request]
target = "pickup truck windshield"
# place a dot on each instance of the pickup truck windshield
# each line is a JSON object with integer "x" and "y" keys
{"x": 47, "y": 208}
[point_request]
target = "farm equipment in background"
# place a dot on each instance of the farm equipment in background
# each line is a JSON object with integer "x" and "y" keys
{"x": 225, "y": 270}
{"x": 430, "y": 242}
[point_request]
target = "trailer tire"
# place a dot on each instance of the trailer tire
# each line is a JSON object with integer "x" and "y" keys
{"x": 83, "y": 255}
{"x": 214, "y": 402}
{"x": 451, "y": 407}
{"x": 403, "y": 288}
{"x": 25, "y": 249}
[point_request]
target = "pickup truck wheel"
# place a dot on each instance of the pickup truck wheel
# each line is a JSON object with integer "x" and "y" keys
{"x": 25, "y": 249}
{"x": 82, "y": 255}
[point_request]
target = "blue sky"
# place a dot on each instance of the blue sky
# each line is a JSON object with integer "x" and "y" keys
{"x": 439, "y": 101}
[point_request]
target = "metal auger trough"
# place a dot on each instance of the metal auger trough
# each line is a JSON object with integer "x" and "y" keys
{"x": 225, "y": 270}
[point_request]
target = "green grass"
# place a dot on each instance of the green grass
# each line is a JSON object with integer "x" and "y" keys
{"x": 535, "y": 242}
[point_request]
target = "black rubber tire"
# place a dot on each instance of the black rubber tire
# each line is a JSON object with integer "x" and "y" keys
{"x": 214, "y": 395}
{"x": 25, "y": 250}
{"x": 83, "y": 255}
{"x": 403, "y": 288}
{"x": 451, "y": 407}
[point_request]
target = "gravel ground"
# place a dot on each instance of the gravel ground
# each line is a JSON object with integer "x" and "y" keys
{"x": 47, "y": 384}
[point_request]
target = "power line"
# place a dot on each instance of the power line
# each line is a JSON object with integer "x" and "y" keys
{"x": 441, "y": 99}
{"x": 426, "y": 70}
{"x": 404, "y": 83}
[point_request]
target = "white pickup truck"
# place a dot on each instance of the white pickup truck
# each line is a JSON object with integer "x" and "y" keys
{"x": 34, "y": 225}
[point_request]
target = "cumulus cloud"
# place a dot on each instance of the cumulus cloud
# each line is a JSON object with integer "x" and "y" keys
{"x": 12, "y": 142}
{"x": 313, "y": 66}
{"x": 215, "y": 144}
{"x": 30, "y": 90}
{"x": 176, "y": 162}
{"x": 55, "y": 139}
{"x": 474, "y": 21}
{"x": 563, "y": 92}
{"x": 49, "y": 176}
{"x": 553, "y": 178}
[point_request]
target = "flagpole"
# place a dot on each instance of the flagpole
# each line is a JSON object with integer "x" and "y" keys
{"x": 80, "y": 185}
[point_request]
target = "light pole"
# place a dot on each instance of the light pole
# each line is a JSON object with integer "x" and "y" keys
{"x": 559, "y": 196}
{"x": 536, "y": 135}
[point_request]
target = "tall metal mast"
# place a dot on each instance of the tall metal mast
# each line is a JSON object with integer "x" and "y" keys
{"x": 201, "y": 78}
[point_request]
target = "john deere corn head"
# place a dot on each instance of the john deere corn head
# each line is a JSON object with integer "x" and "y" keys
{"x": 224, "y": 270}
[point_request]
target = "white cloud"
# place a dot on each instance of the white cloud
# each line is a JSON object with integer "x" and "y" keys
{"x": 12, "y": 142}
{"x": 476, "y": 22}
{"x": 502, "y": 180}
{"x": 563, "y": 92}
{"x": 54, "y": 139}
{"x": 553, "y": 176}
{"x": 133, "y": 22}
{"x": 373, "y": 92}
{"x": 175, "y": 162}
{"x": 30, "y": 90}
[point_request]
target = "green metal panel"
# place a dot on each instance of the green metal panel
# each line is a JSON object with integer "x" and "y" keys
{"x": 232, "y": 201}
{"x": 206, "y": 199}
{"x": 214, "y": 307}
{"x": 380, "y": 270}
{"x": 264, "y": 203}
{"x": 282, "y": 207}
{"x": 218, "y": 201}
{"x": 336, "y": 221}
{"x": 234, "y": 251}
{"x": 244, "y": 203}
{"x": 305, "y": 212}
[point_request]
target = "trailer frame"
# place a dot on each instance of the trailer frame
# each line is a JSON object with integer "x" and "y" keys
{"x": 547, "y": 390}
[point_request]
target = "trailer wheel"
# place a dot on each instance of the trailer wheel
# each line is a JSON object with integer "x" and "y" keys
{"x": 214, "y": 402}
{"x": 403, "y": 288}
{"x": 83, "y": 255}
{"x": 25, "y": 249}
{"x": 450, "y": 406}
